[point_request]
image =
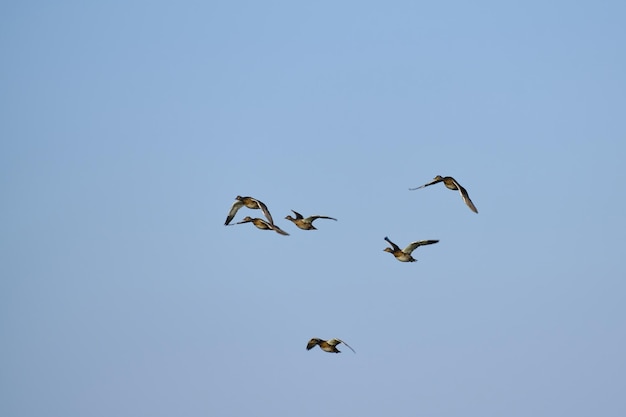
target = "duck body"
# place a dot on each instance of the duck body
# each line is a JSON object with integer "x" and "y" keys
{"x": 404, "y": 255}
{"x": 306, "y": 223}
{"x": 263, "y": 225}
{"x": 451, "y": 184}
{"x": 327, "y": 345}
{"x": 401, "y": 256}
{"x": 249, "y": 202}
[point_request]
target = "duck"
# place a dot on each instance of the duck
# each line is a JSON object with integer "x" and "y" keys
{"x": 263, "y": 225}
{"x": 451, "y": 184}
{"x": 251, "y": 203}
{"x": 404, "y": 255}
{"x": 306, "y": 223}
{"x": 327, "y": 345}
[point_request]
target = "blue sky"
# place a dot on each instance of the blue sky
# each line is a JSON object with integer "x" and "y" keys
{"x": 128, "y": 128}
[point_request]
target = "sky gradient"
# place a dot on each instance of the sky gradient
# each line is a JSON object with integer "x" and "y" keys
{"x": 128, "y": 129}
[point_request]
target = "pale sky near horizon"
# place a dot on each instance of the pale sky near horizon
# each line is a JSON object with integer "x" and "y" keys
{"x": 128, "y": 128}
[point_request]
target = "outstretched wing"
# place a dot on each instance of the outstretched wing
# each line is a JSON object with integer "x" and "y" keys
{"x": 334, "y": 342}
{"x": 277, "y": 229}
{"x": 311, "y": 218}
{"x": 263, "y": 207}
{"x": 312, "y": 343}
{"x": 233, "y": 210}
{"x": 435, "y": 181}
{"x": 413, "y": 245}
{"x": 465, "y": 196}
{"x": 393, "y": 245}
{"x": 298, "y": 215}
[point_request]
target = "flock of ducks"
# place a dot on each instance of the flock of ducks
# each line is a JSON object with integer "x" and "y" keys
{"x": 306, "y": 223}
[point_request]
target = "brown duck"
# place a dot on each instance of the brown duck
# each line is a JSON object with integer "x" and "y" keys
{"x": 327, "y": 345}
{"x": 251, "y": 203}
{"x": 263, "y": 225}
{"x": 404, "y": 255}
{"x": 306, "y": 223}
{"x": 452, "y": 184}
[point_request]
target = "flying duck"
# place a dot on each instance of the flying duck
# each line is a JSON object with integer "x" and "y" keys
{"x": 327, "y": 345}
{"x": 263, "y": 225}
{"x": 452, "y": 184}
{"x": 404, "y": 255}
{"x": 306, "y": 223}
{"x": 251, "y": 203}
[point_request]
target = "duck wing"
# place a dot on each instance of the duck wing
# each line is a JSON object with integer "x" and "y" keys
{"x": 311, "y": 218}
{"x": 393, "y": 245}
{"x": 263, "y": 208}
{"x": 414, "y": 245}
{"x": 233, "y": 210}
{"x": 465, "y": 196}
{"x": 334, "y": 342}
{"x": 277, "y": 229}
{"x": 312, "y": 343}
{"x": 435, "y": 181}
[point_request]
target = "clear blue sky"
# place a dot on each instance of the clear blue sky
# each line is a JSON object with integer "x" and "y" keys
{"x": 128, "y": 127}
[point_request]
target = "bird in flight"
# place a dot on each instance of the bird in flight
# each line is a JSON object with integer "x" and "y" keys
{"x": 306, "y": 223}
{"x": 327, "y": 345}
{"x": 251, "y": 203}
{"x": 404, "y": 255}
{"x": 451, "y": 184}
{"x": 263, "y": 225}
